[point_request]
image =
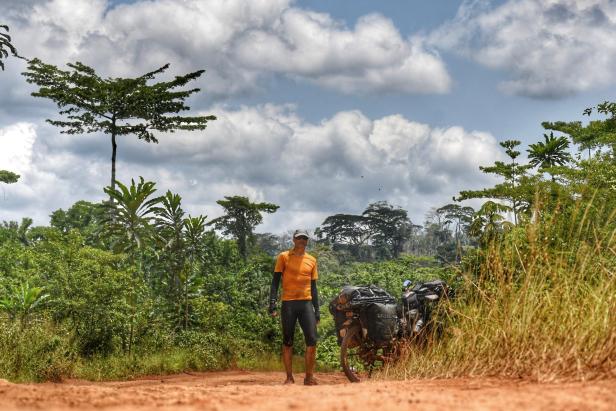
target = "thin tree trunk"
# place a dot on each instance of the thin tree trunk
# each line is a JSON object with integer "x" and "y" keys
{"x": 515, "y": 211}
{"x": 133, "y": 304}
{"x": 131, "y": 332}
{"x": 186, "y": 303}
{"x": 114, "y": 148}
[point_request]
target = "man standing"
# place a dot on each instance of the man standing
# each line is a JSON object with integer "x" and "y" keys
{"x": 300, "y": 302}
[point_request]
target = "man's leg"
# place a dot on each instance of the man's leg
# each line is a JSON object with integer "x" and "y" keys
{"x": 287, "y": 359}
{"x": 310, "y": 359}
{"x": 308, "y": 323}
{"x": 289, "y": 317}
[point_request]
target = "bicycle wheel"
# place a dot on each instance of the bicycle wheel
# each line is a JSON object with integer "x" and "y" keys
{"x": 345, "y": 353}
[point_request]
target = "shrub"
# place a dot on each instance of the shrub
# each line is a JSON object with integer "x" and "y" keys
{"x": 38, "y": 352}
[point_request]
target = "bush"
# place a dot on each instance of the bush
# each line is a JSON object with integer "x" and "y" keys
{"x": 39, "y": 352}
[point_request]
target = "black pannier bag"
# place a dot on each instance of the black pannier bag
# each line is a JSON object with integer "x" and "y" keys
{"x": 410, "y": 301}
{"x": 359, "y": 300}
{"x": 438, "y": 287}
{"x": 416, "y": 298}
{"x": 382, "y": 321}
{"x": 354, "y": 298}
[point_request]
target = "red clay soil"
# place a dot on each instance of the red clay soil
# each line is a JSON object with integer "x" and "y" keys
{"x": 245, "y": 390}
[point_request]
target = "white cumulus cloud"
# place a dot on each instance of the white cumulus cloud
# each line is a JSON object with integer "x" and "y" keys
{"x": 39, "y": 189}
{"x": 240, "y": 43}
{"x": 269, "y": 153}
{"x": 549, "y": 48}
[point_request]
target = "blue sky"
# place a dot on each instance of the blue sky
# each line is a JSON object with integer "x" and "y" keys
{"x": 474, "y": 102}
{"x": 323, "y": 106}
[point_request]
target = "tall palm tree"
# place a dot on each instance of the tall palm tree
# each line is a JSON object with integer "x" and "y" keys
{"x": 549, "y": 153}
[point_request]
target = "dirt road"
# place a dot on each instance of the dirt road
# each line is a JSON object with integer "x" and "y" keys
{"x": 244, "y": 390}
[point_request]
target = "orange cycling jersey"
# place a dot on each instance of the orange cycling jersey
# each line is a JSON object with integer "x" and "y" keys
{"x": 297, "y": 272}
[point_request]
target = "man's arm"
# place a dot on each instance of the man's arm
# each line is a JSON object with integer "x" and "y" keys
{"x": 274, "y": 292}
{"x": 315, "y": 299}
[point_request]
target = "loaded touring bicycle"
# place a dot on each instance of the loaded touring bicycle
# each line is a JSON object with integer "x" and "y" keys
{"x": 371, "y": 324}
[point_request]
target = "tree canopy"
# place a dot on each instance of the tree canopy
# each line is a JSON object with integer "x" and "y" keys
{"x": 549, "y": 153}
{"x": 8, "y": 177}
{"x": 240, "y": 218}
{"x": 381, "y": 224}
{"x": 115, "y": 106}
{"x": 511, "y": 189}
{"x": 597, "y": 134}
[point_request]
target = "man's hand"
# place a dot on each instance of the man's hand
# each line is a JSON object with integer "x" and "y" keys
{"x": 272, "y": 308}
{"x": 317, "y": 315}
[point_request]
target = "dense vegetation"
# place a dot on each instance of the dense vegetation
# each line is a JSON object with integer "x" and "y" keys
{"x": 539, "y": 297}
{"x": 133, "y": 285}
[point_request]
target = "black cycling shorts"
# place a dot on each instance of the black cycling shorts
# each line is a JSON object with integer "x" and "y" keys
{"x": 303, "y": 311}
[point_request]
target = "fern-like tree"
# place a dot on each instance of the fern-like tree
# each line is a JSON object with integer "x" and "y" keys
{"x": 194, "y": 236}
{"x": 115, "y": 106}
{"x": 130, "y": 215}
{"x": 549, "y": 153}
{"x": 169, "y": 221}
{"x": 129, "y": 223}
{"x": 240, "y": 218}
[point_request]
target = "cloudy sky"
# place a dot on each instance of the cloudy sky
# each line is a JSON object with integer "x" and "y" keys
{"x": 322, "y": 106}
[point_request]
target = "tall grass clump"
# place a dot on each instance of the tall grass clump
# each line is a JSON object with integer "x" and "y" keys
{"x": 38, "y": 352}
{"x": 539, "y": 302}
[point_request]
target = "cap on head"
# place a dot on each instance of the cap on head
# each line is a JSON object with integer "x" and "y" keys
{"x": 300, "y": 233}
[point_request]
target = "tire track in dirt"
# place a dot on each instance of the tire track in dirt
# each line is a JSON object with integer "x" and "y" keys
{"x": 247, "y": 390}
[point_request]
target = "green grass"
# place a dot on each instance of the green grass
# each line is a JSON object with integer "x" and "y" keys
{"x": 123, "y": 367}
{"x": 43, "y": 351}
